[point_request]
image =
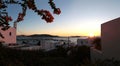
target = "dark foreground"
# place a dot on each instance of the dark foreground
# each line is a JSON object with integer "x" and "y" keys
{"x": 73, "y": 56}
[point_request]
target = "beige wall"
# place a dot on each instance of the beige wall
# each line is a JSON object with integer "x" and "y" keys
{"x": 7, "y": 37}
{"x": 110, "y": 34}
{"x": 96, "y": 54}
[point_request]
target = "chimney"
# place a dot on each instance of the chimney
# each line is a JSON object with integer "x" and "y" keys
{"x": 15, "y": 24}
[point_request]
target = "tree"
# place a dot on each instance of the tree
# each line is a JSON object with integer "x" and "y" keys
{"x": 97, "y": 43}
{"x": 25, "y": 4}
{"x": 78, "y": 55}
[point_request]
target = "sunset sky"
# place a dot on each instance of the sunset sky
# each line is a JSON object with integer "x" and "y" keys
{"x": 78, "y": 17}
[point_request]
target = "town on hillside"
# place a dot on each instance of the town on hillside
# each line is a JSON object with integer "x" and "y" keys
{"x": 42, "y": 44}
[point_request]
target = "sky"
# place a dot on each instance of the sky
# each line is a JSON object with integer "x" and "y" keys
{"x": 77, "y": 18}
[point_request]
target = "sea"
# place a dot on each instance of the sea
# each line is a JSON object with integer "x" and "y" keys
{"x": 72, "y": 39}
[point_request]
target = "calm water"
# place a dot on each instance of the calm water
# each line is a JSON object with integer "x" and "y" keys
{"x": 72, "y": 39}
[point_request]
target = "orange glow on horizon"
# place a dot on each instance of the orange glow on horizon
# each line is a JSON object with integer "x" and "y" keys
{"x": 67, "y": 34}
{"x": 84, "y": 29}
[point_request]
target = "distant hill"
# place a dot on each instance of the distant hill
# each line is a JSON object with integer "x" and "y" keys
{"x": 20, "y": 35}
{"x": 45, "y": 35}
{"x": 42, "y": 35}
{"x": 75, "y": 36}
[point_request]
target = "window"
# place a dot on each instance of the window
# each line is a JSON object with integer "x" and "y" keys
{"x": 10, "y": 34}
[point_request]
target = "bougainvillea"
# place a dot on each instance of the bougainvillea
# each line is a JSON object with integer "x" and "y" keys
{"x": 25, "y": 4}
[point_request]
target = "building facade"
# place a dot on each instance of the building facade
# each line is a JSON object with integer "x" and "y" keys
{"x": 110, "y": 34}
{"x": 8, "y": 36}
{"x": 110, "y": 41}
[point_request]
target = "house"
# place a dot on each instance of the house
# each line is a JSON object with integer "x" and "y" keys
{"x": 110, "y": 33}
{"x": 8, "y": 36}
{"x": 81, "y": 42}
{"x": 47, "y": 45}
{"x": 110, "y": 41}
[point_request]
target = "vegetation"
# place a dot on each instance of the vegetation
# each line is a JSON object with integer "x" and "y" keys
{"x": 25, "y": 4}
{"x": 71, "y": 56}
{"x": 56, "y": 57}
{"x": 106, "y": 62}
{"x": 97, "y": 43}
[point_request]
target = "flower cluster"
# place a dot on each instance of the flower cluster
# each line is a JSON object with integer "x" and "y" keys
{"x": 46, "y": 15}
{"x": 30, "y": 4}
{"x": 56, "y": 10}
{"x": 4, "y": 22}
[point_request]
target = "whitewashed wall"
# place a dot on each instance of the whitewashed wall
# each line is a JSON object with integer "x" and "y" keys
{"x": 47, "y": 45}
{"x": 8, "y": 39}
{"x": 110, "y": 34}
{"x": 96, "y": 54}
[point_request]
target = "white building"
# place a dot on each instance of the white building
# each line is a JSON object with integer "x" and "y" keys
{"x": 110, "y": 33}
{"x": 110, "y": 41}
{"x": 81, "y": 42}
{"x": 8, "y": 36}
{"x": 44, "y": 43}
{"x": 47, "y": 45}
